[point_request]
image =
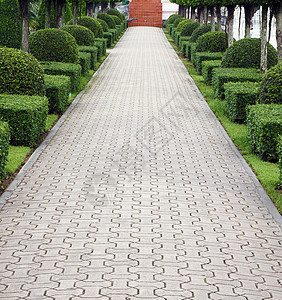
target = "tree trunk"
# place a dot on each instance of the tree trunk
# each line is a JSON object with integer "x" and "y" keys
{"x": 230, "y": 22}
{"x": 104, "y": 6}
{"x": 75, "y": 12}
{"x": 25, "y": 24}
{"x": 211, "y": 9}
{"x": 112, "y": 4}
{"x": 89, "y": 9}
{"x": 249, "y": 13}
{"x": 60, "y": 12}
{"x": 218, "y": 17}
{"x": 48, "y": 14}
{"x": 193, "y": 13}
{"x": 201, "y": 15}
{"x": 278, "y": 17}
{"x": 205, "y": 14}
{"x": 188, "y": 12}
{"x": 263, "y": 37}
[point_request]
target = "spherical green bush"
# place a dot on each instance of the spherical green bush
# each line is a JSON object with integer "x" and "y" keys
{"x": 211, "y": 42}
{"x": 177, "y": 21}
{"x": 104, "y": 25}
{"x": 54, "y": 45}
{"x": 91, "y": 24}
{"x": 188, "y": 28}
{"x": 270, "y": 90}
{"x": 82, "y": 35}
{"x": 116, "y": 19}
{"x": 115, "y": 12}
{"x": 182, "y": 23}
{"x": 200, "y": 31}
{"x": 245, "y": 53}
{"x": 172, "y": 18}
{"x": 111, "y": 23}
{"x": 20, "y": 73}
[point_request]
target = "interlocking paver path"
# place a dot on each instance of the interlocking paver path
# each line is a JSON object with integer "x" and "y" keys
{"x": 139, "y": 195}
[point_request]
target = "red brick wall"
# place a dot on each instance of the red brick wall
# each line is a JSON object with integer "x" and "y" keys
{"x": 147, "y": 13}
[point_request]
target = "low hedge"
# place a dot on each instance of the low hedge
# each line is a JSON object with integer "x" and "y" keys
{"x": 264, "y": 123}
{"x": 4, "y": 146}
{"x": 169, "y": 29}
{"x": 57, "y": 91}
{"x": 183, "y": 39}
{"x": 207, "y": 67}
{"x": 115, "y": 33}
{"x": 104, "y": 44}
{"x": 189, "y": 46}
{"x": 93, "y": 50}
{"x": 176, "y": 38}
{"x": 85, "y": 62}
{"x": 71, "y": 70}
{"x": 237, "y": 96}
{"x": 183, "y": 47}
{"x": 110, "y": 38}
{"x": 173, "y": 32}
{"x": 199, "y": 57}
{"x": 279, "y": 153}
{"x": 99, "y": 46}
{"x": 193, "y": 52}
{"x": 26, "y": 116}
{"x": 223, "y": 75}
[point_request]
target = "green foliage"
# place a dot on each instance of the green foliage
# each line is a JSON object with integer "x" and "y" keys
{"x": 183, "y": 39}
{"x": 10, "y": 24}
{"x": 207, "y": 67}
{"x": 188, "y": 28}
{"x": 82, "y": 35}
{"x": 270, "y": 90}
{"x": 26, "y": 116}
{"x": 202, "y": 56}
{"x": 20, "y": 73}
{"x": 171, "y": 19}
{"x": 115, "y": 33}
{"x": 279, "y": 153}
{"x": 68, "y": 69}
{"x": 92, "y": 24}
{"x": 222, "y": 75}
{"x": 183, "y": 47}
{"x": 57, "y": 91}
{"x": 116, "y": 19}
{"x": 245, "y": 53}
{"x": 54, "y": 45}
{"x": 177, "y": 21}
{"x": 104, "y": 25}
{"x": 264, "y": 122}
{"x": 93, "y": 50}
{"x": 4, "y": 146}
{"x": 107, "y": 18}
{"x": 85, "y": 62}
{"x": 200, "y": 31}
{"x": 104, "y": 44}
{"x": 110, "y": 38}
{"x": 211, "y": 42}
{"x": 189, "y": 47}
{"x": 115, "y": 12}
{"x": 237, "y": 96}
{"x": 182, "y": 23}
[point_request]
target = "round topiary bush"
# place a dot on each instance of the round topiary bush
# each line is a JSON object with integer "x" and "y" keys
{"x": 20, "y": 73}
{"x": 188, "y": 28}
{"x": 200, "y": 31}
{"x": 54, "y": 45}
{"x": 211, "y": 42}
{"x": 10, "y": 24}
{"x": 177, "y": 21}
{"x": 104, "y": 25}
{"x": 116, "y": 19}
{"x": 245, "y": 53}
{"x": 91, "y": 24}
{"x": 107, "y": 18}
{"x": 270, "y": 90}
{"x": 182, "y": 23}
{"x": 115, "y": 12}
{"x": 82, "y": 35}
{"x": 172, "y": 18}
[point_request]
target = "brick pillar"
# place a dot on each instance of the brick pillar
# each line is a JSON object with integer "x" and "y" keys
{"x": 147, "y": 13}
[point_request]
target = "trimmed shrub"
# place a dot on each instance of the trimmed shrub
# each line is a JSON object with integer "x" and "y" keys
{"x": 10, "y": 24}
{"x": 100, "y": 47}
{"x": 104, "y": 25}
{"x": 211, "y": 42}
{"x": 115, "y": 12}
{"x": 115, "y": 33}
{"x": 104, "y": 43}
{"x": 57, "y": 91}
{"x": 207, "y": 67}
{"x": 169, "y": 28}
{"x": 54, "y": 45}
{"x": 4, "y": 146}
{"x": 200, "y": 31}
{"x": 173, "y": 32}
{"x": 182, "y": 23}
{"x": 221, "y": 76}
{"x": 193, "y": 52}
{"x": 264, "y": 123}
{"x": 71, "y": 70}
{"x": 26, "y": 116}
{"x": 116, "y": 19}
{"x": 270, "y": 90}
{"x": 279, "y": 153}
{"x": 245, "y": 53}
{"x": 188, "y": 28}
{"x": 107, "y": 18}
{"x": 171, "y": 19}
{"x": 82, "y": 35}
{"x": 183, "y": 47}
{"x": 189, "y": 46}
{"x": 92, "y": 24}
{"x": 177, "y": 21}
{"x": 176, "y": 37}
{"x": 183, "y": 39}
{"x": 237, "y": 96}
{"x": 199, "y": 57}
{"x": 110, "y": 38}
{"x": 93, "y": 50}
{"x": 85, "y": 62}
{"x": 20, "y": 73}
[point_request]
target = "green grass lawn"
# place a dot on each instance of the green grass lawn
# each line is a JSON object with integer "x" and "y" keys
{"x": 266, "y": 172}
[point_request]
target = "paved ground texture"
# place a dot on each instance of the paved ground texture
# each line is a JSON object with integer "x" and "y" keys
{"x": 139, "y": 195}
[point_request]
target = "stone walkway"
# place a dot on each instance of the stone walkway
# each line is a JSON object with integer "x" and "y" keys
{"x": 139, "y": 195}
